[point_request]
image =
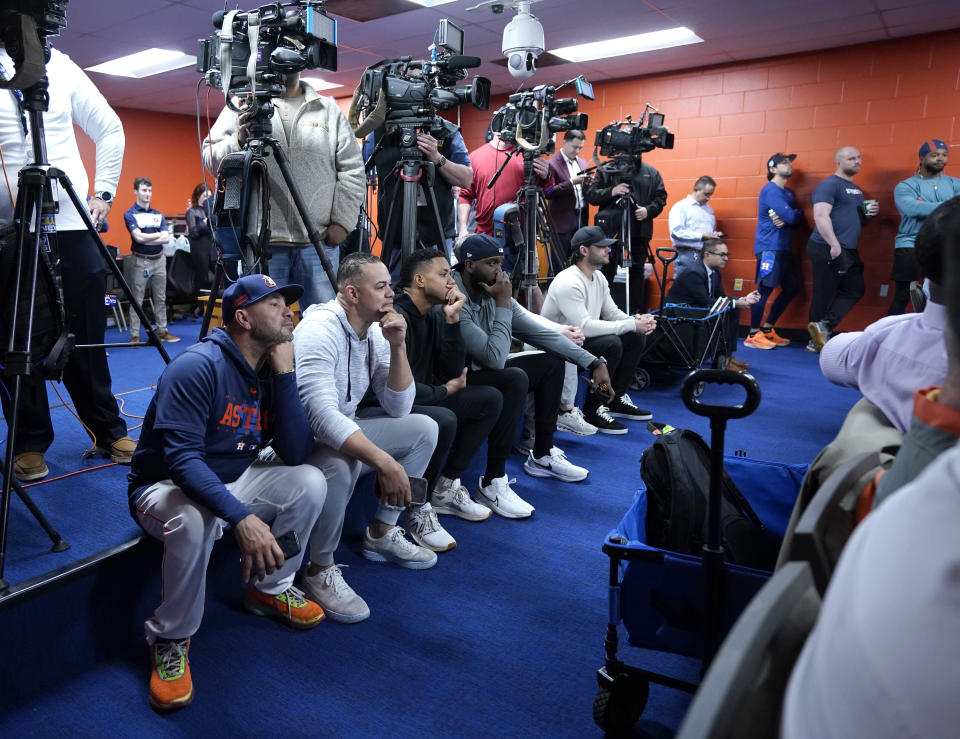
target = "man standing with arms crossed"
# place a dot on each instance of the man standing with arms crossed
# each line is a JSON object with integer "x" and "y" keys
{"x": 839, "y": 212}
{"x": 916, "y": 198}
{"x": 148, "y": 230}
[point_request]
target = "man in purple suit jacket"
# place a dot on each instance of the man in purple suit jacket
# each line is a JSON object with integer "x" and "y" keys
{"x": 568, "y": 204}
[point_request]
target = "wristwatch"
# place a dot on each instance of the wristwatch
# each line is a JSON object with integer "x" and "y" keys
{"x": 441, "y": 161}
{"x": 105, "y": 196}
{"x": 596, "y": 363}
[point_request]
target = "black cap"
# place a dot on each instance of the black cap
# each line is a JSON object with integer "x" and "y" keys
{"x": 591, "y": 236}
{"x": 480, "y": 246}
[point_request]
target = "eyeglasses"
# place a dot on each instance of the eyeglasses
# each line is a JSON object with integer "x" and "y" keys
{"x": 721, "y": 254}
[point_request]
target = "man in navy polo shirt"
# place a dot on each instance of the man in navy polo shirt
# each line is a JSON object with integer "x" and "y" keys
{"x": 839, "y": 213}
{"x": 148, "y": 230}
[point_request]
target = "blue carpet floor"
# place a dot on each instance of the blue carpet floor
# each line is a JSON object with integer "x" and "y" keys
{"x": 501, "y": 638}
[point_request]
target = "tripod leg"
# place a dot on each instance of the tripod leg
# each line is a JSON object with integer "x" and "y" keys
{"x": 430, "y": 195}
{"x": 408, "y": 234}
{"x": 215, "y": 292}
{"x": 312, "y": 233}
{"x": 67, "y": 187}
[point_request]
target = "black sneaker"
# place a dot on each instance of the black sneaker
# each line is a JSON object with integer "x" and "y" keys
{"x": 604, "y": 422}
{"x": 623, "y": 407}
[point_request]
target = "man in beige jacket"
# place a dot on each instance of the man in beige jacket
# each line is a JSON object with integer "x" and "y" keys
{"x": 327, "y": 167}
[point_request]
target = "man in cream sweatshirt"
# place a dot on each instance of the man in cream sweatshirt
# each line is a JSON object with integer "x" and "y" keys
{"x": 580, "y": 297}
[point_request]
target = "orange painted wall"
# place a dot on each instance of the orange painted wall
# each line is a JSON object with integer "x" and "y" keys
{"x": 885, "y": 98}
{"x": 161, "y": 146}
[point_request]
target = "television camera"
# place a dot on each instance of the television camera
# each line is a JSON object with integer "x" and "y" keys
{"x": 405, "y": 95}
{"x": 251, "y": 51}
{"x": 530, "y": 118}
{"x": 634, "y": 138}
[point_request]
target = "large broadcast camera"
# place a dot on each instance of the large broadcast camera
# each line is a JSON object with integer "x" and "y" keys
{"x": 530, "y": 118}
{"x": 633, "y": 138}
{"x": 252, "y": 51}
{"x": 25, "y": 26}
{"x": 404, "y": 94}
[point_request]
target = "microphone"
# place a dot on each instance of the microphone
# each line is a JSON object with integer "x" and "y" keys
{"x": 458, "y": 61}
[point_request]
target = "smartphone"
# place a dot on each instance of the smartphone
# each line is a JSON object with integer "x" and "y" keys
{"x": 418, "y": 490}
{"x": 289, "y": 544}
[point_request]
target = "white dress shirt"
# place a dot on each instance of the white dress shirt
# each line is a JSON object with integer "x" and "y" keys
{"x": 573, "y": 167}
{"x": 689, "y": 221}
{"x": 73, "y": 100}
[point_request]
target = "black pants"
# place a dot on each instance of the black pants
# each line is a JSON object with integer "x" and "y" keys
{"x": 622, "y": 354}
{"x": 86, "y": 375}
{"x": 203, "y": 257}
{"x": 833, "y": 295}
{"x": 541, "y": 374}
{"x": 638, "y": 285}
{"x": 465, "y": 420}
{"x": 901, "y": 297}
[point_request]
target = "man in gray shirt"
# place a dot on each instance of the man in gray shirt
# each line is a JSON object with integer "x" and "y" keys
{"x": 488, "y": 321}
{"x": 343, "y": 347}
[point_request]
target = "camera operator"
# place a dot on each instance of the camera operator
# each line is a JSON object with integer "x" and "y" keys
{"x": 73, "y": 100}
{"x": 448, "y": 154}
{"x": 486, "y": 160}
{"x": 629, "y": 175}
{"x": 326, "y": 164}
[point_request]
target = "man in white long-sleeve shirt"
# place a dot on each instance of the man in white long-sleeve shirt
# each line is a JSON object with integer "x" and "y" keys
{"x": 343, "y": 347}
{"x": 580, "y": 297}
{"x": 692, "y": 221}
{"x": 73, "y": 101}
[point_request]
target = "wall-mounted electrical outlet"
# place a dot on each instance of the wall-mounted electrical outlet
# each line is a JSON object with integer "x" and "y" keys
{"x": 883, "y": 290}
{"x": 738, "y": 284}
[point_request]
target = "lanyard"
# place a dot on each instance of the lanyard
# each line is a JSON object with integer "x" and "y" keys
{"x": 18, "y": 98}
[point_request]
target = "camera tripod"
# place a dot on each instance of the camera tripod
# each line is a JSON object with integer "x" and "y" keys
{"x": 243, "y": 175}
{"x": 35, "y": 205}
{"x": 535, "y": 219}
{"x": 417, "y": 177}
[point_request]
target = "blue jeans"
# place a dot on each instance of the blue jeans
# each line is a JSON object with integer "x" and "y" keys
{"x": 686, "y": 257}
{"x": 300, "y": 265}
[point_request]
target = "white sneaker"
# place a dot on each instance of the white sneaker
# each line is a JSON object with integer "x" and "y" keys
{"x": 556, "y": 465}
{"x": 499, "y": 497}
{"x": 573, "y": 422}
{"x": 450, "y": 498}
{"x": 424, "y": 528}
{"x": 394, "y": 547}
{"x": 337, "y": 599}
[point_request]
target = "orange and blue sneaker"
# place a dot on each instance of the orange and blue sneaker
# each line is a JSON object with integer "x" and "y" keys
{"x": 759, "y": 340}
{"x": 292, "y": 607}
{"x": 171, "y": 686}
{"x": 771, "y": 335}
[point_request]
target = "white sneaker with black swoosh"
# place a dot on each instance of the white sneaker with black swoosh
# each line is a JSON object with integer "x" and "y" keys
{"x": 555, "y": 464}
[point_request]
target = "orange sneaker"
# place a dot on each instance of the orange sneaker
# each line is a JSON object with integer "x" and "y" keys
{"x": 291, "y": 606}
{"x": 171, "y": 686}
{"x": 776, "y": 338}
{"x": 759, "y": 341}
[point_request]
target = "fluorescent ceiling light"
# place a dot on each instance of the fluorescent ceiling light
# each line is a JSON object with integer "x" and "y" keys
{"x": 145, "y": 63}
{"x": 318, "y": 84}
{"x": 431, "y": 3}
{"x": 628, "y": 45}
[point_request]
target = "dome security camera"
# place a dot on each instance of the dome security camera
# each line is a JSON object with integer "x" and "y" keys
{"x": 522, "y": 42}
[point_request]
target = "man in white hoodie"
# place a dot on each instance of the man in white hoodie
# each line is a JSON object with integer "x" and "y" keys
{"x": 343, "y": 347}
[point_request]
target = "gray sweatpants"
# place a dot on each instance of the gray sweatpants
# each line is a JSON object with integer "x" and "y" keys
{"x": 409, "y": 439}
{"x": 152, "y": 272}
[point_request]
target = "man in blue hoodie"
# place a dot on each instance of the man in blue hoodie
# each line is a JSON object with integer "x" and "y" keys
{"x": 196, "y": 470}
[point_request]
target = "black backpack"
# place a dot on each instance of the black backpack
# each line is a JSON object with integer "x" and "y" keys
{"x": 676, "y": 471}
